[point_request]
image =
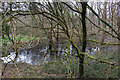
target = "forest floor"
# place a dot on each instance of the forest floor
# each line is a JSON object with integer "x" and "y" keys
{"x": 24, "y": 70}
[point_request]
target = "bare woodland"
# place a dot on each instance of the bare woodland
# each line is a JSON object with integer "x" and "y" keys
{"x": 91, "y": 28}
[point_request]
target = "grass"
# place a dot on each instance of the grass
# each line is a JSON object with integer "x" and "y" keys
{"x": 23, "y": 38}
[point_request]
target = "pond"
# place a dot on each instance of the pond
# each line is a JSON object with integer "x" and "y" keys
{"x": 42, "y": 56}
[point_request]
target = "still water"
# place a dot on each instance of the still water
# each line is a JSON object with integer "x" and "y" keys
{"x": 43, "y": 55}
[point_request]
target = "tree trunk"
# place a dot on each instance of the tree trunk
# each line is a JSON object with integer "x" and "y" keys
{"x": 81, "y": 58}
{"x": 50, "y": 41}
{"x": 112, "y": 15}
{"x": 104, "y": 25}
{"x": 2, "y": 46}
{"x": 118, "y": 23}
{"x": 57, "y": 39}
{"x": 98, "y": 8}
{"x": 0, "y": 62}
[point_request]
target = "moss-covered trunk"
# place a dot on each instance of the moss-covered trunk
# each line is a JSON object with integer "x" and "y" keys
{"x": 84, "y": 41}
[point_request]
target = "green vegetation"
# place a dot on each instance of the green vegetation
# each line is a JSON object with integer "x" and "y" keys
{"x": 22, "y": 39}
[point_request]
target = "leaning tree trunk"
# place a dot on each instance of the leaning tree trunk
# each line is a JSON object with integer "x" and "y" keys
{"x": 81, "y": 58}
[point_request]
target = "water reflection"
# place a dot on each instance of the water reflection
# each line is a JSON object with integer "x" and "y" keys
{"x": 43, "y": 56}
{"x": 25, "y": 57}
{"x": 9, "y": 58}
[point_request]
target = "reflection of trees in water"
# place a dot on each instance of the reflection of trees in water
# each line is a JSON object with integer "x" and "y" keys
{"x": 41, "y": 53}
